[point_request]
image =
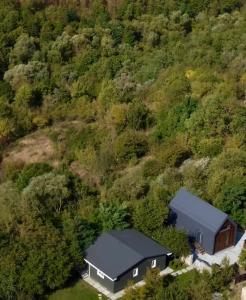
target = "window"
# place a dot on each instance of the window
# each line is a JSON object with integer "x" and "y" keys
{"x": 153, "y": 263}
{"x": 100, "y": 274}
{"x": 135, "y": 272}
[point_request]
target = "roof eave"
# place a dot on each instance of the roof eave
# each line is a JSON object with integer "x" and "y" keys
{"x": 100, "y": 270}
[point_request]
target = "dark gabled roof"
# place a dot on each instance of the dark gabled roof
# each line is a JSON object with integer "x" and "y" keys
{"x": 198, "y": 210}
{"x": 115, "y": 252}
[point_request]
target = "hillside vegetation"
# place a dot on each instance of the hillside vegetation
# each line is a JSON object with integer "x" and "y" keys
{"x": 107, "y": 108}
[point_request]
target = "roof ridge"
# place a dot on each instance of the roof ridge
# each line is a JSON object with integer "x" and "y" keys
{"x": 206, "y": 224}
{"x": 204, "y": 201}
{"x": 196, "y": 204}
{"x": 136, "y": 252}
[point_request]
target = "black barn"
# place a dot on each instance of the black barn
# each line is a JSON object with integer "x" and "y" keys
{"x": 205, "y": 224}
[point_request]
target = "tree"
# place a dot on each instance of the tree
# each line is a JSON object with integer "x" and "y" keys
{"x": 221, "y": 276}
{"x": 130, "y": 144}
{"x": 174, "y": 291}
{"x": 23, "y": 50}
{"x": 129, "y": 187}
{"x": 149, "y": 215}
{"x": 50, "y": 258}
{"x": 113, "y": 216}
{"x": 138, "y": 116}
{"x": 149, "y": 291}
{"x": 46, "y": 196}
{"x": 6, "y": 130}
{"x": 8, "y": 275}
{"x": 30, "y": 171}
{"x": 224, "y": 171}
{"x": 171, "y": 121}
{"x": 200, "y": 290}
{"x": 175, "y": 240}
{"x": 34, "y": 71}
{"x": 63, "y": 46}
{"x": 9, "y": 206}
{"x": 43, "y": 259}
{"x": 28, "y": 96}
{"x": 153, "y": 283}
{"x": 232, "y": 199}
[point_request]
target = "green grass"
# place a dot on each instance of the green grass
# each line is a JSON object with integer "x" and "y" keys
{"x": 79, "y": 291}
{"x": 187, "y": 278}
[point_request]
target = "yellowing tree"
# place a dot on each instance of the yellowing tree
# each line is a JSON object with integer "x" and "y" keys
{"x": 6, "y": 129}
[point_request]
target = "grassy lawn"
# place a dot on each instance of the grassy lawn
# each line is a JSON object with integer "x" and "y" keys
{"x": 186, "y": 279}
{"x": 79, "y": 291}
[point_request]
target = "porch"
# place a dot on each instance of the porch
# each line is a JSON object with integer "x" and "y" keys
{"x": 232, "y": 253}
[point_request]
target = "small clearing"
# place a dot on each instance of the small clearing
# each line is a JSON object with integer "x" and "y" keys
{"x": 33, "y": 148}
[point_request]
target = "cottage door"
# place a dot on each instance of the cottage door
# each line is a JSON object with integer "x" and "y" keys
{"x": 225, "y": 237}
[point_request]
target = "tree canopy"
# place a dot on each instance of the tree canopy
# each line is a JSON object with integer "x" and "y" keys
{"x": 107, "y": 108}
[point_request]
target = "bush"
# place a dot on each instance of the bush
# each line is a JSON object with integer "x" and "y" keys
{"x": 175, "y": 240}
{"x": 113, "y": 216}
{"x": 149, "y": 215}
{"x": 151, "y": 168}
{"x": 30, "y": 171}
{"x": 130, "y": 144}
{"x": 138, "y": 116}
{"x": 176, "y": 264}
{"x": 129, "y": 187}
{"x": 174, "y": 153}
{"x": 10, "y": 170}
{"x": 221, "y": 276}
{"x": 242, "y": 259}
{"x": 209, "y": 147}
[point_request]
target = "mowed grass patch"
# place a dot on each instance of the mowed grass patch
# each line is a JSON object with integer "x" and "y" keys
{"x": 79, "y": 291}
{"x": 188, "y": 278}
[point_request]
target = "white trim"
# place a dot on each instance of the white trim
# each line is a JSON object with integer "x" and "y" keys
{"x": 170, "y": 253}
{"x": 153, "y": 263}
{"x": 100, "y": 274}
{"x": 99, "y": 270}
{"x": 135, "y": 272}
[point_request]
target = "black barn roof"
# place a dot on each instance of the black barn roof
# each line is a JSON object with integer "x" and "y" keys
{"x": 198, "y": 210}
{"x": 115, "y": 252}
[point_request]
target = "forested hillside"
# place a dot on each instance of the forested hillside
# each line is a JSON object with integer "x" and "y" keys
{"x": 107, "y": 108}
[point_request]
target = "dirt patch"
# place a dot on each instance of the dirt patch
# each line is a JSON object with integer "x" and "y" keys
{"x": 31, "y": 149}
{"x": 84, "y": 174}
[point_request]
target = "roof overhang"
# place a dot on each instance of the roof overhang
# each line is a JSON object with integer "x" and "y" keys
{"x": 89, "y": 263}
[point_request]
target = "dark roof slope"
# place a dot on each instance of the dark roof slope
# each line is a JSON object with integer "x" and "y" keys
{"x": 199, "y": 210}
{"x": 115, "y": 252}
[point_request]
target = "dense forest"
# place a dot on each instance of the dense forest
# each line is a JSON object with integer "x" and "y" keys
{"x": 107, "y": 108}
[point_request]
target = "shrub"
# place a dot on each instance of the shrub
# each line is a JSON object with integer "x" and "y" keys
{"x": 209, "y": 147}
{"x": 113, "y": 216}
{"x": 149, "y": 215}
{"x": 30, "y": 171}
{"x": 151, "y": 168}
{"x": 129, "y": 187}
{"x": 138, "y": 116}
{"x": 176, "y": 264}
{"x": 175, "y": 240}
{"x": 242, "y": 259}
{"x": 11, "y": 169}
{"x": 130, "y": 144}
